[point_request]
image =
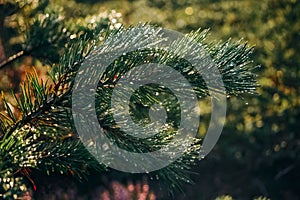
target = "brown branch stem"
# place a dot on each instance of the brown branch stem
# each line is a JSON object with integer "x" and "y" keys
{"x": 12, "y": 59}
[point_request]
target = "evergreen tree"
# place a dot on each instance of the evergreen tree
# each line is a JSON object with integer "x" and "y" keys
{"x": 38, "y": 133}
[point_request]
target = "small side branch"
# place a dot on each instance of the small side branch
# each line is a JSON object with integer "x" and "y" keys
{"x": 11, "y": 59}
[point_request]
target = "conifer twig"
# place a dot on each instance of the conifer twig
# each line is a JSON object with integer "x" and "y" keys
{"x": 12, "y": 58}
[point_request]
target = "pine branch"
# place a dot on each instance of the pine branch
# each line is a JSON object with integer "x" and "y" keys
{"x": 232, "y": 61}
{"x": 46, "y": 95}
{"x": 46, "y": 126}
